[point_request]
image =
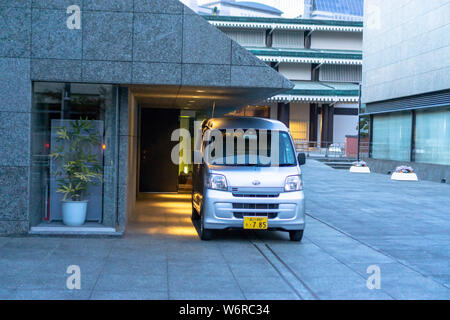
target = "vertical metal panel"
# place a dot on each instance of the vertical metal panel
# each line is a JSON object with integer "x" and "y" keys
{"x": 340, "y": 73}
{"x": 288, "y": 39}
{"x": 247, "y": 37}
{"x": 413, "y": 135}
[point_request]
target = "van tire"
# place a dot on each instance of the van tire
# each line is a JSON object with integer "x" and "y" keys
{"x": 195, "y": 216}
{"x": 296, "y": 235}
{"x": 205, "y": 234}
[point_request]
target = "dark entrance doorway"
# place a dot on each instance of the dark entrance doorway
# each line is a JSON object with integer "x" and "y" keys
{"x": 157, "y": 171}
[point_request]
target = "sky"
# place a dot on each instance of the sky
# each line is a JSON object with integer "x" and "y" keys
{"x": 291, "y": 8}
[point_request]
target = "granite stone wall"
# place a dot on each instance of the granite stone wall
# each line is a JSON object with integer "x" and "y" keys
{"x": 424, "y": 171}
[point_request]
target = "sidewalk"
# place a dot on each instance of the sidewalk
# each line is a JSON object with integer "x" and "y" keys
{"x": 354, "y": 221}
{"x": 409, "y": 221}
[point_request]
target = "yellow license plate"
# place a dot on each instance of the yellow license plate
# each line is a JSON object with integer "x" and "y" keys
{"x": 255, "y": 222}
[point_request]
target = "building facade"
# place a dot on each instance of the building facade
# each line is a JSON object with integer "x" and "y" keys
{"x": 322, "y": 58}
{"x": 236, "y": 8}
{"x": 125, "y": 72}
{"x": 406, "y": 86}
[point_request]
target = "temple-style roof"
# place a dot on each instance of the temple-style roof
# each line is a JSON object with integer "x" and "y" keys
{"x": 285, "y": 24}
{"x": 308, "y": 55}
{"x": 309, "y": 91}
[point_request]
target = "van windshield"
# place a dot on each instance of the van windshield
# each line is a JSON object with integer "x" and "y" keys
{"x": 248, "y": 147}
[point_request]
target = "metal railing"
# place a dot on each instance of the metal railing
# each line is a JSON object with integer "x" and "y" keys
{"x": 324, "y": 149}
{"x": 321, "y": 149}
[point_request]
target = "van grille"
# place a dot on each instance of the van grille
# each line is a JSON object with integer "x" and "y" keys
{"x": 241, "y": 215}
{"x": 256, "y": 195}
{"x": 255, "y": 206}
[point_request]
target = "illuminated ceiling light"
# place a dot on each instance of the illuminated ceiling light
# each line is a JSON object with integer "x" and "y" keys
{"x": 200, "y": 91}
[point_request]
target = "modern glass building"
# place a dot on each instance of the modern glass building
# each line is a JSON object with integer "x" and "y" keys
{"x": 406, "y": 88}
{"x": 350, "y": 10}
{"x": 121, "y": 76}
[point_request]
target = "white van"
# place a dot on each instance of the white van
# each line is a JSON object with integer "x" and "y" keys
{"x": 243, "y": 189}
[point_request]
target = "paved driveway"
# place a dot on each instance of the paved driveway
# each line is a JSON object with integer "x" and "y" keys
{"x": 354, "y": 221}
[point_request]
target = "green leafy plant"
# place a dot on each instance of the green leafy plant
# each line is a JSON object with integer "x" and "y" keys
{"x": 364, "y": 124}
{"x": 79, "y": 166}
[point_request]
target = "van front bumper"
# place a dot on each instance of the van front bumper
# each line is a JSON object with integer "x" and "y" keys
{"x": 223, "y": 210}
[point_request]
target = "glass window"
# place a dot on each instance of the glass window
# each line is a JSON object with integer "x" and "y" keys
{"x": 392, "y": 136}
{"x": 432, "y": 136}
{"x": 76, "y": 122}
{"x": 364, "y": 131}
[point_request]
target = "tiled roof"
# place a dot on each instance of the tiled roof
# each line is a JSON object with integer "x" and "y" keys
{"x": 283, "y": 23}
{"x": 320, "y": 91}
{"x": 307, "y": 53}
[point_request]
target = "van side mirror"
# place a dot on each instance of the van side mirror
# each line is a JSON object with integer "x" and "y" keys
{"x": 301, "y": 159}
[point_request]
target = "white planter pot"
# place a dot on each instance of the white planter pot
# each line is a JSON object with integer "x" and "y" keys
{"x": 356, "y": 169}
{"x": 400, "y": 176}
{"x": 74, "y": 213}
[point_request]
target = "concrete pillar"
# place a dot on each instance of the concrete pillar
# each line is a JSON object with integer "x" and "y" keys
{"x": 313, "y": 115}
{"x": 327, "y": 125}
{"x": 307, "y": 41}
{"x": 274, "y": 65}
{"x": 283, "y": 113}
{"x": 269, "y": 38}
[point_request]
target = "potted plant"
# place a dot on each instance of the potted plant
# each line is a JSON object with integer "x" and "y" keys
{"x": 404, "y": 173}
{"x": 359, "y": 167}
{"x": 79, "y": 168}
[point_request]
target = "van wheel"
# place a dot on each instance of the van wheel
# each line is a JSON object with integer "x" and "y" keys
{"x": 296, "y": 235}
{"x": 195, "y": 216}
{"x": 205, "y": 234}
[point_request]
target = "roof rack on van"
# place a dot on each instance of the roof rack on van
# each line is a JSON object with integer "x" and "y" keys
{"x": 244, "y": 123}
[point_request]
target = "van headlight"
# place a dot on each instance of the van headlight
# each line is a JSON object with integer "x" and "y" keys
{"x": 217, "y": 182}
{"x": 293, "y": 183}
